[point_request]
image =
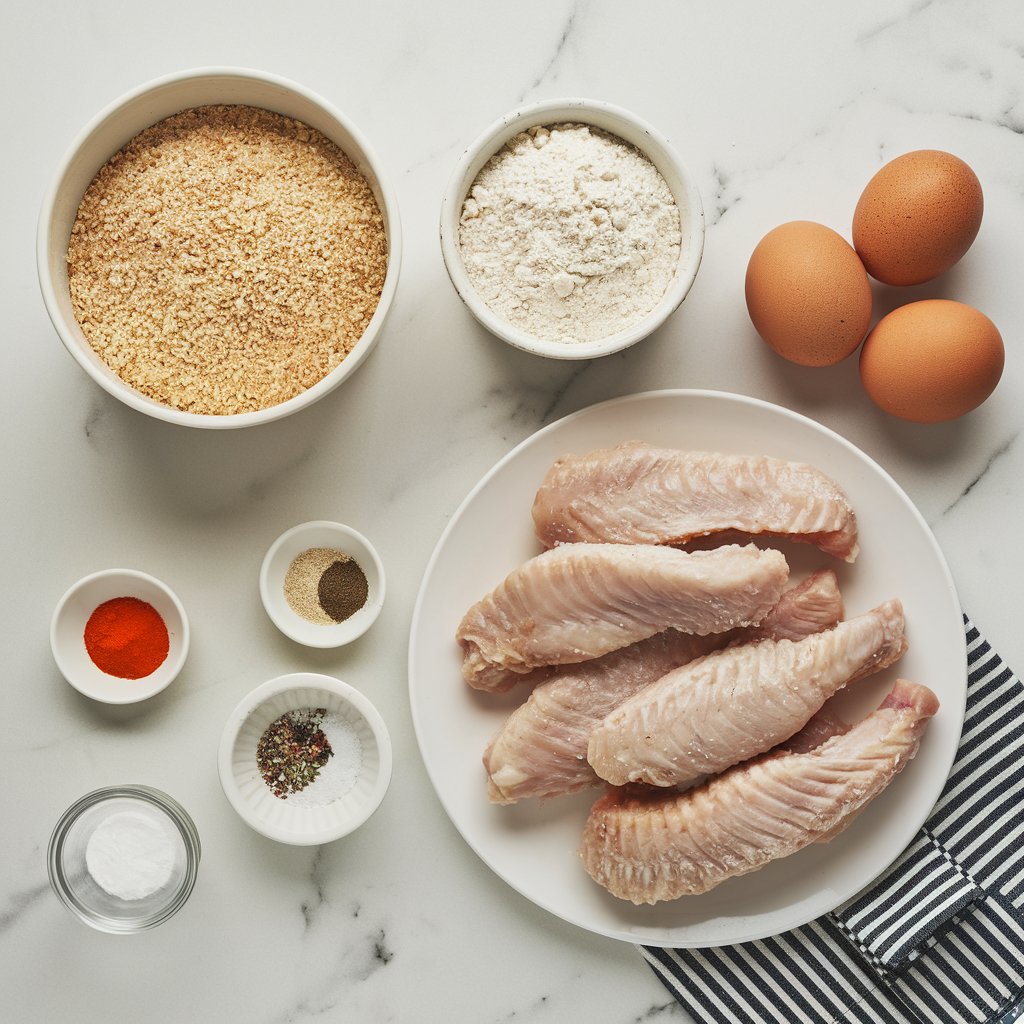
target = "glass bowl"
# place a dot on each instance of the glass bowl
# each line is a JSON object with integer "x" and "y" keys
{"x": 120, "y": 905}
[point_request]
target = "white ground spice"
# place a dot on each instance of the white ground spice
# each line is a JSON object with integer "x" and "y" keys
{"x": 226, "y": 259}
{"x": 301, "y": 579}
{"x": 570, "y": 233}
{"x": 132, "y": 854}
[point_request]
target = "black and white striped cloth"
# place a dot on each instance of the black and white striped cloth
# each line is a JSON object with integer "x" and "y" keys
{"x": 938, "y": 938}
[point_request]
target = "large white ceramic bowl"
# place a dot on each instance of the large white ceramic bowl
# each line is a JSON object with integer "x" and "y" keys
{"x": 120, "y": 122}
{"x": 277, "y": 818}
{"x": 626, "y": 126}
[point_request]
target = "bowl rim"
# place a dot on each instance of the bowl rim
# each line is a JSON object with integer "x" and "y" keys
{"x": 251, "y": 702}
{"x": 123, "y": 391}
{"x": 173, "y": 665}
{"x": 181, "y": 820}
{"x": 569, "y": 108}
{"x": 327, "y": 636}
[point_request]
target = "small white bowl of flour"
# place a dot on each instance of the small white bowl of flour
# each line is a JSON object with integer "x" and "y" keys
{"x": 571, "y": 229}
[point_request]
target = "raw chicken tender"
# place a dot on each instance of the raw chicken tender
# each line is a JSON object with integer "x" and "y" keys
{"x": 663, "y": 845}
{"x": 726, "y": 707}
{"x": 639, "y": 494}
{"x": 581, "y": 601}
{"x": 541, "y": 750}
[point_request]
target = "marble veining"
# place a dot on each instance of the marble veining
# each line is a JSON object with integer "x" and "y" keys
{"x": 550, "y": 69}
{"x": 553, "y": 406}
{"x": 21, "y": 902}
{"x": 999, "y": 453}
{"x": 721, "y": 199}
{"x": 661, "y": 1012}
{"x": 910, "y": 12}
{"x": 311, "y": 907}
{"x": 782, "y": 112}
{"x": 94, "y": 419}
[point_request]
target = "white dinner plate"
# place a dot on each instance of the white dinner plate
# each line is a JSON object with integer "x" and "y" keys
{"x": 532, "y": 845}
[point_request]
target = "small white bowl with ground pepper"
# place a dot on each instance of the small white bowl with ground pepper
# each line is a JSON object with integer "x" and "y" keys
{"x": 571, "y": 229}
{"x": 305, "y": 759}
{"x": 322, "y": 584}
{"x": 219, "y": 248}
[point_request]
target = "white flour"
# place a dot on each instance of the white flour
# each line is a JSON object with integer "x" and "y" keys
{"x": 570, "y": 234}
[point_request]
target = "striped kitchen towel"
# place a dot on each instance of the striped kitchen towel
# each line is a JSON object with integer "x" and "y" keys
{"x": 938, "y": 938}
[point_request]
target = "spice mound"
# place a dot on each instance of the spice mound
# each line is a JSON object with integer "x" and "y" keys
{"x": 570, "y": 234}
{"x": 325, "y": 586}
{"x": 133, "y": 854}
{"x": 226, "y": 259}
{"x": 309, "y": 756}
{"x": 126, "y": 637}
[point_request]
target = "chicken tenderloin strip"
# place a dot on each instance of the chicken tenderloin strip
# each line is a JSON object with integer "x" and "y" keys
{"x": 733, "y": 704}
{"x": 653, "y": 846}
{"x": 637, "y": 493}
{"x": 581, "y": 601}
{"x": 541, "y": 750}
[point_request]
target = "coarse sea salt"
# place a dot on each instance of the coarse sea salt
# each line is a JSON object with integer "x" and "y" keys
{"x": 340, "y": 772}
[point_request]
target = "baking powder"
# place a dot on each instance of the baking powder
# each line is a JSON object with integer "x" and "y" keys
{"x": 570, "y": 234}
{"x": 132, "y": 854}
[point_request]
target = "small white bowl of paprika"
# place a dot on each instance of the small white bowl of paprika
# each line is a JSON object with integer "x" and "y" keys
{"x": 119, "y": 636}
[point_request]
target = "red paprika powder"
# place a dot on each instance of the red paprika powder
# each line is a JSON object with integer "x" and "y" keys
{"x": 126, "y": 637}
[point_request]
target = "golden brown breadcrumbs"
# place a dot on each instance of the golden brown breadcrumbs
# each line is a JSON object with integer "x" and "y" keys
{"x": 226, "y": 259}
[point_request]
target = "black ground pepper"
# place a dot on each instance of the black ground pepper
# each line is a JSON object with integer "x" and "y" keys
{"x": 342, "y": 589}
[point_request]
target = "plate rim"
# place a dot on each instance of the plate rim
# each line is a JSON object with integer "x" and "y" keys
{"x": 661, "y": 393}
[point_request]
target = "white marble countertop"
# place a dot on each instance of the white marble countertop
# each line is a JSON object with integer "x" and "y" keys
{"x": 782, "y": 112}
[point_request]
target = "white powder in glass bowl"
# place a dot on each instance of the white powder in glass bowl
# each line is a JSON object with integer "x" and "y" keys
{"x": 132, "y": 855}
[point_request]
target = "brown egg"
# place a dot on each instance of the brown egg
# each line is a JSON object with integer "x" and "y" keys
{"x": 918, "y": 215}
{"x": 807, "y": 293}
{"x": 931, "y": 361}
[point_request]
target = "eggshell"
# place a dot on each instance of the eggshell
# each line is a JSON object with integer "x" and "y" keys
{"x": 917, "y": 216}
{"x": 932, "y": 360}
{"x": 808, "y": 294}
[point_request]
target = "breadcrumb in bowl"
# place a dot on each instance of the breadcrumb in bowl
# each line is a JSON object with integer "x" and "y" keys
{"x": 247, "y": 270}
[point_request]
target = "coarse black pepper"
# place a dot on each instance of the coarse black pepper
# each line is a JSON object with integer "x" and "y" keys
{"x": 292, "y": 750}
